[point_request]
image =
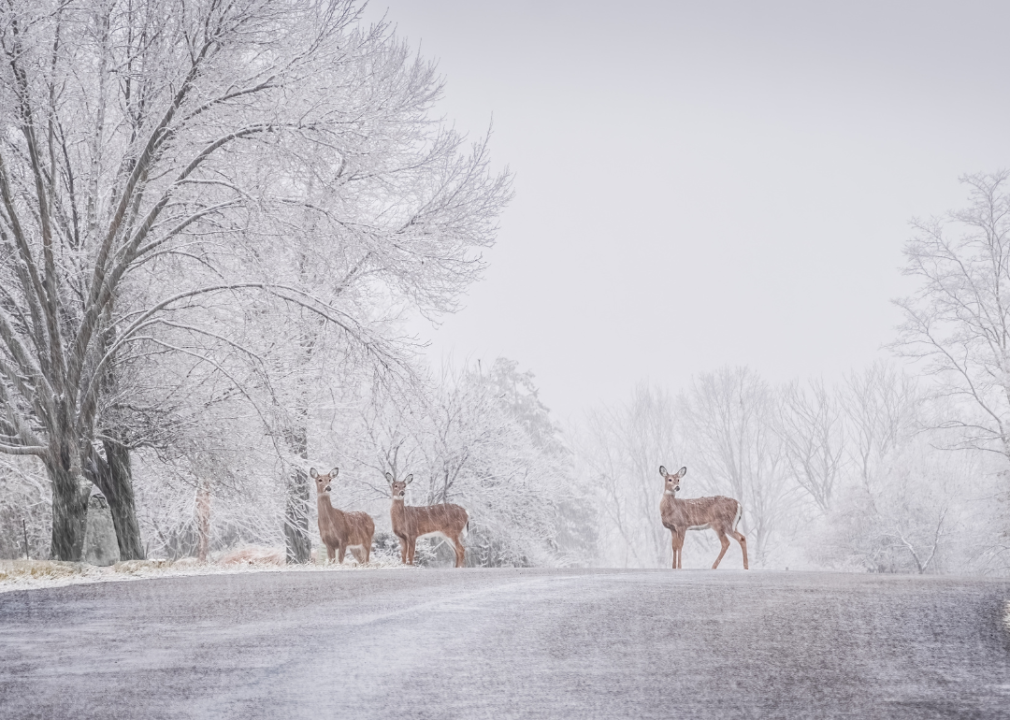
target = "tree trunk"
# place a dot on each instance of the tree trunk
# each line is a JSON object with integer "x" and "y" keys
{"x": 70, "y": 510}
{"x": 298, "y": 542}
{"x": 121, "y": 501}
{"x": 203, "y": 520}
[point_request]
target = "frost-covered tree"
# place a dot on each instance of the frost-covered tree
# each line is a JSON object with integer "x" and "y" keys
{"x": 24, "y": 501}
{"x": 481, "y": 439}
{"x": 619, "y": 453}
{"x": 904, "y": 518}
{"x": 723, "y": 427}
{"x": 810, "y": 426}
{"x": 958, "y": 320}
{"x": 854, "y": 475}
{"x": 729, "y": 421}
{"x": 903, "y": 501}
{"x": 166, "y": 163}
{"x": 882, "y": 406}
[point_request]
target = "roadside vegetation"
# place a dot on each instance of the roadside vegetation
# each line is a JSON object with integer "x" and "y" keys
{"x": 31, "y": 574}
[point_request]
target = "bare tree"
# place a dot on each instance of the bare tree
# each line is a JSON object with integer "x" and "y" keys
{"x": 958, "y": 321}
{"x": 729, "y": 421}
{"x": 161, "y": 157}
{"x": 904, "y": 503}
{"x": 482, "y": 440}
{"x": 882, "y": 406}
{"x": 24, "y": 501}
{"x": 810, "y": 427}
{"x": 619, "y": 451}
{"x": 913, "y": 515}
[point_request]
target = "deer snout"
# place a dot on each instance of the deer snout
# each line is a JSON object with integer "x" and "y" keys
{"x": 326, "y": 489}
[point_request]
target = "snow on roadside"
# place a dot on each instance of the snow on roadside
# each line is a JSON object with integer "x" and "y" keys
{"x": 34, "y": 574}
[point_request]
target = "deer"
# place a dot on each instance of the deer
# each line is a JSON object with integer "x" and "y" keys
{"x": 341, "y": 530}
{"x": 717, "y": 513}
{"x": 410, "y": 523}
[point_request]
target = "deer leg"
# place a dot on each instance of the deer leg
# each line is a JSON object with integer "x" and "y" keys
{"x": 330, "y": 553}
{"x": 357, "y": 553}
{"x": 725, "y": 546}
{"x": 403, "y": 550}
{"x": 743, "y": 545}
{"x": 341, "y": 549}
{"x": 460, "y": 551}
{"x": 676, "y": 550}
{"x": 411, "y": 549}
{"x": 368, "y": 550}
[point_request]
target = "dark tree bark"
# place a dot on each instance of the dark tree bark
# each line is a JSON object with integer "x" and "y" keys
{"x": 70, "y": 510}
{"x": 298, "y": 542}
{"x": 121, "y": 501}
{"x": 71, "y": 489}
{"x": 114, "y": 477}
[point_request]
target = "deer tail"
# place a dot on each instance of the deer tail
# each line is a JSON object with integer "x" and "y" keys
{"x": 739, "y": 514}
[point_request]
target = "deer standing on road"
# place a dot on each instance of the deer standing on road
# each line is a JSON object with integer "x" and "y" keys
{"x": 410, "y": 523}
{"x": 718, "y": 513}
{"x": 341, "y": 530}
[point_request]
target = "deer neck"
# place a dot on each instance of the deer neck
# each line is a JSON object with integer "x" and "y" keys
{"x": 324, "y": 503}
{"x": 331, "y": 516}
{"x": 398, "y": 510}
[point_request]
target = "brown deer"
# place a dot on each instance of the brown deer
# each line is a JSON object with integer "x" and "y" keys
{"x": 341, "y": 530}
{"x": 718, "y": 513}
{"x": 410, "y": 523}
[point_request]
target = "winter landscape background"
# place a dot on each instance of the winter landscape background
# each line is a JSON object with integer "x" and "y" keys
{"x": 240, "y": 240}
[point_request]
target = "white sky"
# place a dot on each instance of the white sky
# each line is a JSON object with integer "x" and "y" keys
{"x": 709, "y": 183}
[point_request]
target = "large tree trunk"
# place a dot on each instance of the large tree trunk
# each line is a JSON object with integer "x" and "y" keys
{"x": 121, "y": 502}
{"x": 114, "y": 477}
{"x": 70, "y": 510}
{"x": 298, "y": 542}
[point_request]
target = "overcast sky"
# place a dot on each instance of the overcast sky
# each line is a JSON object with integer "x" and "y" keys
{"x": 706, "y": 184}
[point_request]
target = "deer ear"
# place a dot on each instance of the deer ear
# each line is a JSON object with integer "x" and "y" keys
{"x": 389, "y": 478}
{"x": 662, "y": 470}
{"x": 682, "y": 472}
{"x": 409, "y": 479}
{"x": 334, "y": 472}
{"x": 313, "y": 474}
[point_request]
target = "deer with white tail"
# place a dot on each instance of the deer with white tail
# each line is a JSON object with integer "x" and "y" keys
{"x": 341, "y": 530}
{"x": 717, "y": 513}
{"x": 410, "y": 523}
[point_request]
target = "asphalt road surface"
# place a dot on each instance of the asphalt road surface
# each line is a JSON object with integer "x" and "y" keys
{"x": 508, "y": 644}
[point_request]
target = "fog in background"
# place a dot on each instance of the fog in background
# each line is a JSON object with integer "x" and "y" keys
{"x": 703, "y": 184}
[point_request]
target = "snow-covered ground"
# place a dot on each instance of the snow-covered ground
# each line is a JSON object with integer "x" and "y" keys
{"x": 32, "y": 574}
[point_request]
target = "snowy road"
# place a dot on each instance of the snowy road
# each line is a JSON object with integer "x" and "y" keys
{"x": 508, "y": 643}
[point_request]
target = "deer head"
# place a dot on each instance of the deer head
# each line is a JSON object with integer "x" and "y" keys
{"x": 399, "y": 487}
{"x": 323, "y": 481}
{"x": 672, "y": 481}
